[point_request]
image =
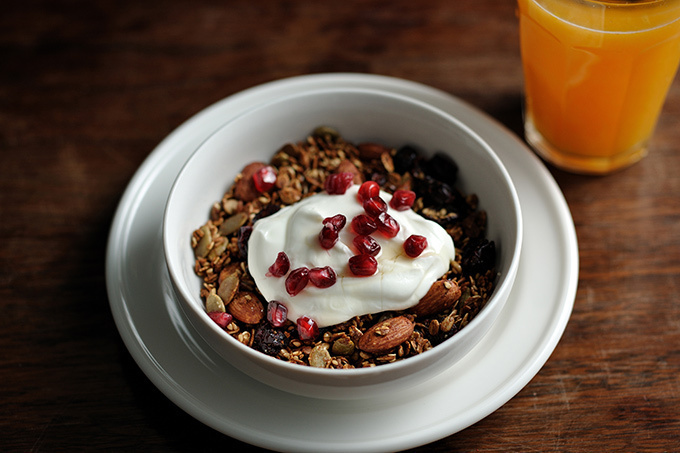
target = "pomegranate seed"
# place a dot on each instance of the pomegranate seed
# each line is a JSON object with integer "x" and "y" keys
{"x": 375, "y": 206}
{"x": 307, "y": 328}
{"x": 363, "y": 224}
{"x": 387, "y": 225}
{"x": 276, "y": 313}
{"x": 265, "y": 178}
{"x": 366, "y": 245}
{"x": 414, "y": 245}
{"x": 297, "y": 280}
{"x": 369, "y": 189}
{"x": 280, "y": 266}
{"x": 328, "y": 236}
{"x": 338, "y": 221}
{"x": 402, "y": 200}
{"x": 338, "y": 183}
{"x": 363, "y": 265}
{"x": 322, "y": 277}
{"x": 222, "y": 319}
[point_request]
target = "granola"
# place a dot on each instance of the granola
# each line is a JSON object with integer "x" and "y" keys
{"x": 301, "y": 169}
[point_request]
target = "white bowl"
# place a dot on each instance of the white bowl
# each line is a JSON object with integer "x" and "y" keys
{"x": 360, "y": 116}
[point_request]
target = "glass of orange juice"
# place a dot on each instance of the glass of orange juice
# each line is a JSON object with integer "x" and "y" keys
{"x": 596, "y": 76}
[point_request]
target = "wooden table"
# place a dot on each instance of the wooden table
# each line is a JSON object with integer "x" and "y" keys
{"x": 88, "y": 89}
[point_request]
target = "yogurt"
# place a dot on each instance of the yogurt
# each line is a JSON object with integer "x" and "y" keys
{"x": 399, "y": 283}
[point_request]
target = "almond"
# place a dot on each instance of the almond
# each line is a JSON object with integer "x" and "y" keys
{"x": 441, "y": 295}
{"x": 386, "y": 335}
{"x": 372, "y": 150}
{"x": 246, "y": 307}
{"x": 244, "y": 187}
{"x": 347, "y": 166}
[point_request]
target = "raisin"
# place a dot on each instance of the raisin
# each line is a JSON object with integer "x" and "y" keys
{"x": 269, "y": 340}
{"x": 243, "y": 235}
{"x": 406, "y": 159}
{"x": 479, "y": 256}
{"x": 442, "y": 167}
{"x": 266, "y": 212}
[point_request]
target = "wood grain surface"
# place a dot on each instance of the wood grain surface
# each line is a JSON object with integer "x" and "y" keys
{"x": 88, "y": 89}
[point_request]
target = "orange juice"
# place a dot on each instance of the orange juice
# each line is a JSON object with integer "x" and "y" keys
{"x": 596, "y": 76}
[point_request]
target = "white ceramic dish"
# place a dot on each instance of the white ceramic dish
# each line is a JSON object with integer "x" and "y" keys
{"x": 361, "y": 116}
{"x": 187, "y": 371}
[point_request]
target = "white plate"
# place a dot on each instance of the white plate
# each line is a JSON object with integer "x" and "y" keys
{"x": 195, "y": 378}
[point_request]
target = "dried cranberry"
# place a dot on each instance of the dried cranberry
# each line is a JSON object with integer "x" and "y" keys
{"x": 269, "y": 340}
{"x": 366, "y": 245}
{"x": 307, "y": 328}
{"x": 265, "y": 178}
{"x": 363, "y": 265}
{"x": 297, "y": 280}
{"x": 268, "y": 210}
{"x": 281, "y": 265}
{"x": 414, "y": 245}
{"x": 338, "y": 221}
{"x": 328, "y": 236}
{"x": 363, "y": 224}
{"x": 375, "y": 206}
{"x": 243, "y": 235}
{"x": 276, "y": 313}
{"x": 322, "y": 277}
{"x": 369, "y": 189}
{"x": 402, "y": 200}
{"x": 338, "y": 183}
{"x": 221, "y": 319}
{"x": 387, "y": 225}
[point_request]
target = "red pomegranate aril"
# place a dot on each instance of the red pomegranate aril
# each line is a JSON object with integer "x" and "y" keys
{"x": 368, "y": 189}
{"x": 265, "y": 178}
{"x": 338, "y": 221}
{"x": 363, "y": 265}
{"x": 363, "y": 224}
{"x": 221, "y": 319}
{"x": 277, "y": 313}
{"x": 322, "y": 277}
{"x": 328, "y": 236}
{"x": 375, "y": 206}
{"x": 338, "y": 183}
{"x": 307, "y": 328}
{"x": 387, "y": 225}
{"x": 297, "y": 280}
{"x": 414, "y": 245}
{"x": 366, "y": 245}
{"x": 402, "y": 200}
{"x": 281, "y": 265}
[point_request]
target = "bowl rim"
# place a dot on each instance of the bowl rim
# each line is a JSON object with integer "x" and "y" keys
{"x": 506, "y": 281}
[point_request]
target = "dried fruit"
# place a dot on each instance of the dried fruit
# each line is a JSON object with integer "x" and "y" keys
{"x": 366, "y": 245}
{"x": 374, "y": 206}
{"x": 387, "y": 225}
{"x": 414, "y": 245}
{"x": 402, "y": 200}
{"x": 363, "y": 265}
{"x": 442, "y": 167}
{"x": 222, "y": 319}
{"x": 243, "y": 235}
{"x": 363, "y": 224}
{"x": 264, "y": 178}
{"x": 479, "y": 256}
{"x": 297, "y": 280}
{"x": 322, "y": 277}
{"x": 281, "y": 265}
{"x": 405, "y": 159}
{"x": 269, "y": 340}
{"x": 246, "y": 307}
{"x": 338, "y": 183}
{"x": 277, "y": 313}
{"x": 386, "y": 335}
{"x": 328, "y": 236}
{"x": 307, "y": 328}
{"x": 369, "y": 189}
